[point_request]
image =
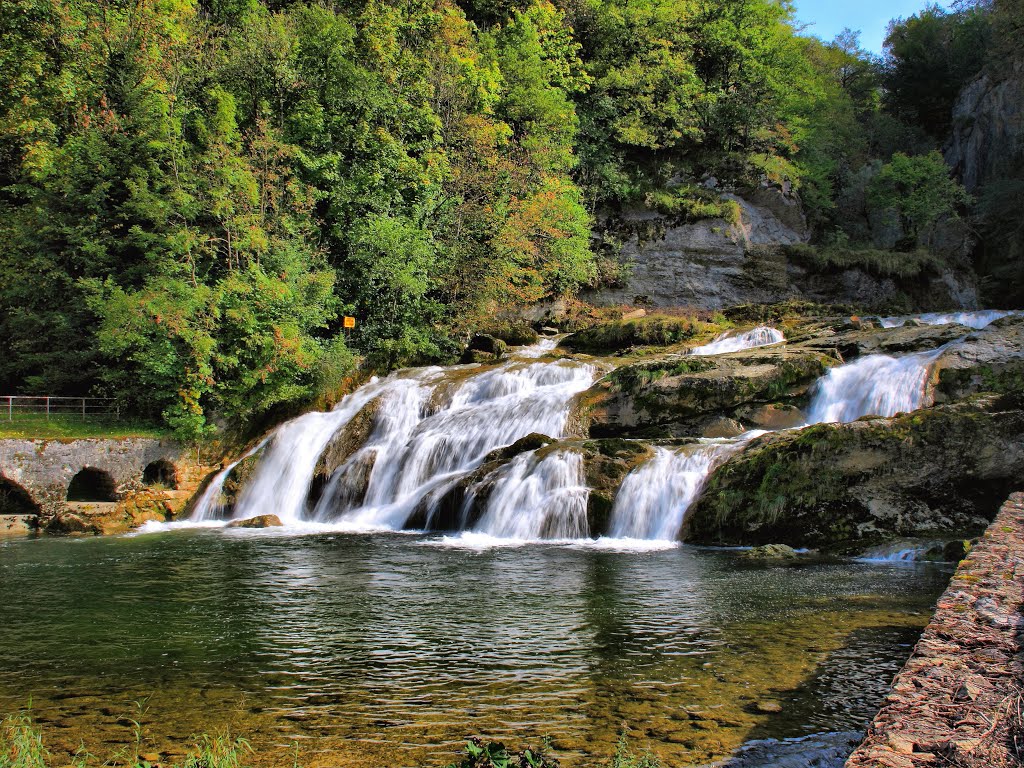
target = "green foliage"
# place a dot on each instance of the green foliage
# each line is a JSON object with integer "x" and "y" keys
{"x": 21, "y": 743}
{"x": 919, "y": 190}
{"x": 930, "y": 57}
{"x": 627, "y": 758}
{"x": 493, "y": 754}
{"x": 192, "y": 195}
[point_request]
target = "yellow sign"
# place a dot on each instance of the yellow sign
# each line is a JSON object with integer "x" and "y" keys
{"x": 349, "y": 322}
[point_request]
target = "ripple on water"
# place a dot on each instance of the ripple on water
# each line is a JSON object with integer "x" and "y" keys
{"x": 390, "y": 649}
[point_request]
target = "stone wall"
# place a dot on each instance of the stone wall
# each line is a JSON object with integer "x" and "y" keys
{"x": 44, "y": 468}
{"x": 957, "y": 701}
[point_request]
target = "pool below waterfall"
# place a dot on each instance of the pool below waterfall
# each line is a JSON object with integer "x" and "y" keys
{"x": 388, "y": 649}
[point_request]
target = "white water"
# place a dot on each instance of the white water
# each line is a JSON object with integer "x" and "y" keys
{"x": 430, "y": 428}
{"x": 977, "y": 320}
{"x": 654, "y": 498}
{"x": 210, "y": 505}
{"x": 538, "y": 498}
{"x": 733, "y": 342}
{"x": 873, "y": 385}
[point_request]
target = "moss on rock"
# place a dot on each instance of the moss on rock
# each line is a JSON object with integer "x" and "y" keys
{"x": 940, "y": 471}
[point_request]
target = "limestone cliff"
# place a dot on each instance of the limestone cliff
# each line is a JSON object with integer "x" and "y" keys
{"x": 988, "y": 126}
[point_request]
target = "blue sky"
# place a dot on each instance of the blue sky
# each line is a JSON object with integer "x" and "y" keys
{"x": 828, "y": 17}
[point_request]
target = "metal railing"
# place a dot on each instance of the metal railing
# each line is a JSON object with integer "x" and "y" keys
{"x": 13, "y": 407}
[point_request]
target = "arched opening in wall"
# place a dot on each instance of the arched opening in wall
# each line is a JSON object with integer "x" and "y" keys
{"x": 92, "y": 485}
{"x": 15, "y": 500}
{"x": 162, "y": 473}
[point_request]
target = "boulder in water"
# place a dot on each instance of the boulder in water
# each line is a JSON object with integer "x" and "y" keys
{"x": 770, "y": 552}
{"x": 675, "y": 396}
{"x": 513, "y": 334}
{"x": 484, "y": 348}
{"x": 936, "y": 472}
{"x": 260, "y": 521}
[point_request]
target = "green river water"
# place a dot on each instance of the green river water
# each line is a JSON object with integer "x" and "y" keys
{"x": 388, "y": 650}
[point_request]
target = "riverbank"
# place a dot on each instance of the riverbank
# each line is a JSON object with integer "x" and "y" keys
{"x": 958, "y": 700}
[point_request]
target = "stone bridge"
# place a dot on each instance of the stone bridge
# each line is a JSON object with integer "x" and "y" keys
{"x": 39, "y": 477}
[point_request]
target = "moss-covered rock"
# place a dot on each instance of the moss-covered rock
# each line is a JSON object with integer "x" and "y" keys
{"x": 683, "y": 395}
{"x": 484, "y": 348}
{"x": 605, "y": 465}
{"x": 514, "y": 334}
{"x": 940, "y": 471}
{"x": 650, "y": 331}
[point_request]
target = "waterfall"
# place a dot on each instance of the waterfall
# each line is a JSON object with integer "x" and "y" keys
{"x": 210, "y": 506}
{"x": 733, "y": 342}
{"x": 873, "y": 385}
{"x": 654, "y": 498}
{"x": 538, "y": 498}
{"x": 430, "y": 428}
{"x": 977, "y": 320}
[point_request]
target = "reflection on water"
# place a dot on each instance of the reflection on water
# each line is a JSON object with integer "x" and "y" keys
{"x": 380, "y": 650}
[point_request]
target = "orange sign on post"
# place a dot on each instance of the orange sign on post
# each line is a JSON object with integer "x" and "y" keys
{"x": 348, "y": 322}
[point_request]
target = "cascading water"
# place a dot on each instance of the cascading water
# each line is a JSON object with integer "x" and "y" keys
{"x": 424, "y": 431}
{"x": 733, "y": 342}
{"x": 653, "y": 499}
{"x": 874, "y": 385}
{"x": 977, "y": 319}
{"x": 430, "y": 428}
{"x": 538, "y": 498}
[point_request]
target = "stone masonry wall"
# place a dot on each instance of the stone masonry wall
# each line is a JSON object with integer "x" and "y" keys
{"x": 44, "y": 468}
{"x": 957, "y": 701}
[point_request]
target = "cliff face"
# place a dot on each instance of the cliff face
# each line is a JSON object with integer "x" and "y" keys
{"x": 988, "y": 127}
{"x": 714, "y": 263}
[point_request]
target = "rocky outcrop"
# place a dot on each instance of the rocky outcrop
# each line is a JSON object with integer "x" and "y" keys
{"x": 988, "y": 127}
{"x": 260, "y": 521}
{"x": 939, "y": 471}
{"x": 990, "y": 360}
{"x": 714, "y": 263}
{"x": 956, "y": 701}
{"x": 701, "y": 264}
{"x": 106, "y": 518}
{"x": 685, "y": 395}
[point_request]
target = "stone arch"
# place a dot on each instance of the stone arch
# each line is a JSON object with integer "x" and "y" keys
{"x": 15, "y": 500}
{"x": 92, "y": 484}
{"x": 161, "y": 472}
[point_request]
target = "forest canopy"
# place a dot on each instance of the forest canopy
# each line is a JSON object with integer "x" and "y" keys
{"x": 193, "y": 194}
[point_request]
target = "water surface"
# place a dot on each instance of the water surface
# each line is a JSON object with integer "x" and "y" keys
{"x": 389, "y": 649}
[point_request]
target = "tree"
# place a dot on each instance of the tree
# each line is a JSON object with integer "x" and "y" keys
{"x": 920, "y": 191}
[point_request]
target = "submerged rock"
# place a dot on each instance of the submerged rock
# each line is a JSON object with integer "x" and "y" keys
{"x": 940, "y": 471}
{"x": 770, "y": 552}
{"x": 260, "y": 521}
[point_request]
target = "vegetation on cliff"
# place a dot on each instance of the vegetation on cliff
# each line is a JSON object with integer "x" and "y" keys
{"x": 193, "y": 193}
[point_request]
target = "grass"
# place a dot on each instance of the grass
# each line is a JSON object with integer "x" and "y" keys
{"x": 21, "y": 746}
{"x": 65, "y": 427}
